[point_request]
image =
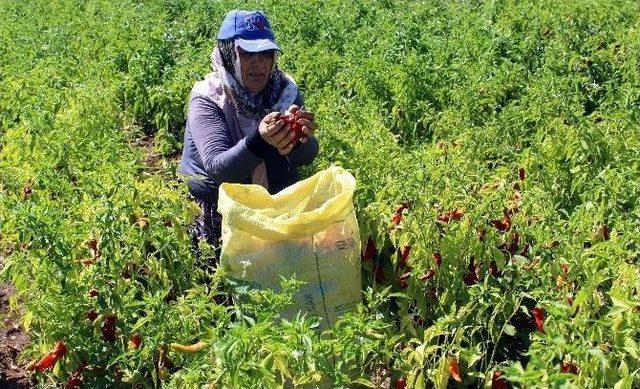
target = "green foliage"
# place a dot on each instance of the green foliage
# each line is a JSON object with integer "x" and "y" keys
{"x": 438, "y": 103}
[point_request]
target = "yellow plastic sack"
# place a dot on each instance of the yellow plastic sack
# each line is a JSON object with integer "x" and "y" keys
{"x": 308, "y": 230}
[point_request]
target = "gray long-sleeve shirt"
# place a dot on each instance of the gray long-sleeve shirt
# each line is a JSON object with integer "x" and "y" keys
{"x": 210, "y": 158}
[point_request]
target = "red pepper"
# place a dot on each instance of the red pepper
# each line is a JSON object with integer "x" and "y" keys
{"x": 135, "y": 341}
{"x": 291, "y": 122}
{"x": 568, "y": 367}
{"x": 454, "y": 370}
{"x": 470, "y": 279}
{"x": 437, "y": 258}
{"x": 396, "y": 218}
{"x": 538, "y": 315}
{"x": 401, "y": 383}
{"x": 402, "y": 206}
{"x": 93, "y": 245}
{"x": 370, "y": 250}
{"x": 406, "y": 250}
{"x": 503, "y": 224}
{"x": 522, "y": 174}
{"x": 45, "y": 362}
{"x": 498, "y": 381}
{"x": 457, "y": 213}
{"x": 605, "y": 232}
{"x": 92, "y": 315}
{"x": 454, "y": 214}
{"x": 444, "y": 217}
{"x": 60, "y": 350}
{"x": 109, "y": 329}
{"x": 493, "y": 269}
{"x": 403, "y": 279}
{"x": 473, "y": 276}
{"x": 50, "y": 359}
{"x": 428, "y": 275}
{"x": 512, "y": 246}
{"x": 75, "y": 381}
{"x": 404, "y": 256}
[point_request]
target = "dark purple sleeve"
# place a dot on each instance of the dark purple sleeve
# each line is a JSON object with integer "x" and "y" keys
{"x": 223, "y": 161}
{"x": 304, "y": 153}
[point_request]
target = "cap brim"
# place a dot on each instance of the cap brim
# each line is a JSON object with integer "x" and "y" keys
{"x": 256, "y": 45}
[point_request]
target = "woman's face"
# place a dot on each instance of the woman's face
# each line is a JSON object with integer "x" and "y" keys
{"x": 256, "y": 69}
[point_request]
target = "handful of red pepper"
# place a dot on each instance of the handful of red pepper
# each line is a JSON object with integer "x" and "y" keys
{"x": 46, "y": 362}
{"x": 291, "y": 122}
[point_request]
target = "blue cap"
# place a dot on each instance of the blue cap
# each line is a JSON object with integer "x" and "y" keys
{"x": 250, "y": 29}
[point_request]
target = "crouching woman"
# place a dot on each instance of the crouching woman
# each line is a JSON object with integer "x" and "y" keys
{"x": 236, "y": 130}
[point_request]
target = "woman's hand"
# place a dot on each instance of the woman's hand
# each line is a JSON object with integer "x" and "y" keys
{"x": 275, "y": 133}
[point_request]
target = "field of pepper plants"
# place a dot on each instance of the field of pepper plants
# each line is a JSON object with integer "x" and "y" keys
{"x": 496, "y": 146}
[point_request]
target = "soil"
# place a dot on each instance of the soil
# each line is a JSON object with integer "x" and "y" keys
{"x": 12, "y": 342}
{"x": 152, "y": 159}
{"x": 151, "y": 156}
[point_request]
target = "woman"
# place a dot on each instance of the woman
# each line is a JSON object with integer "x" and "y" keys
{"x": 235, "y": 128}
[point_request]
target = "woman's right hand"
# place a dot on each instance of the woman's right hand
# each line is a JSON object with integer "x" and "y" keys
{"x": 274, "y": 132}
